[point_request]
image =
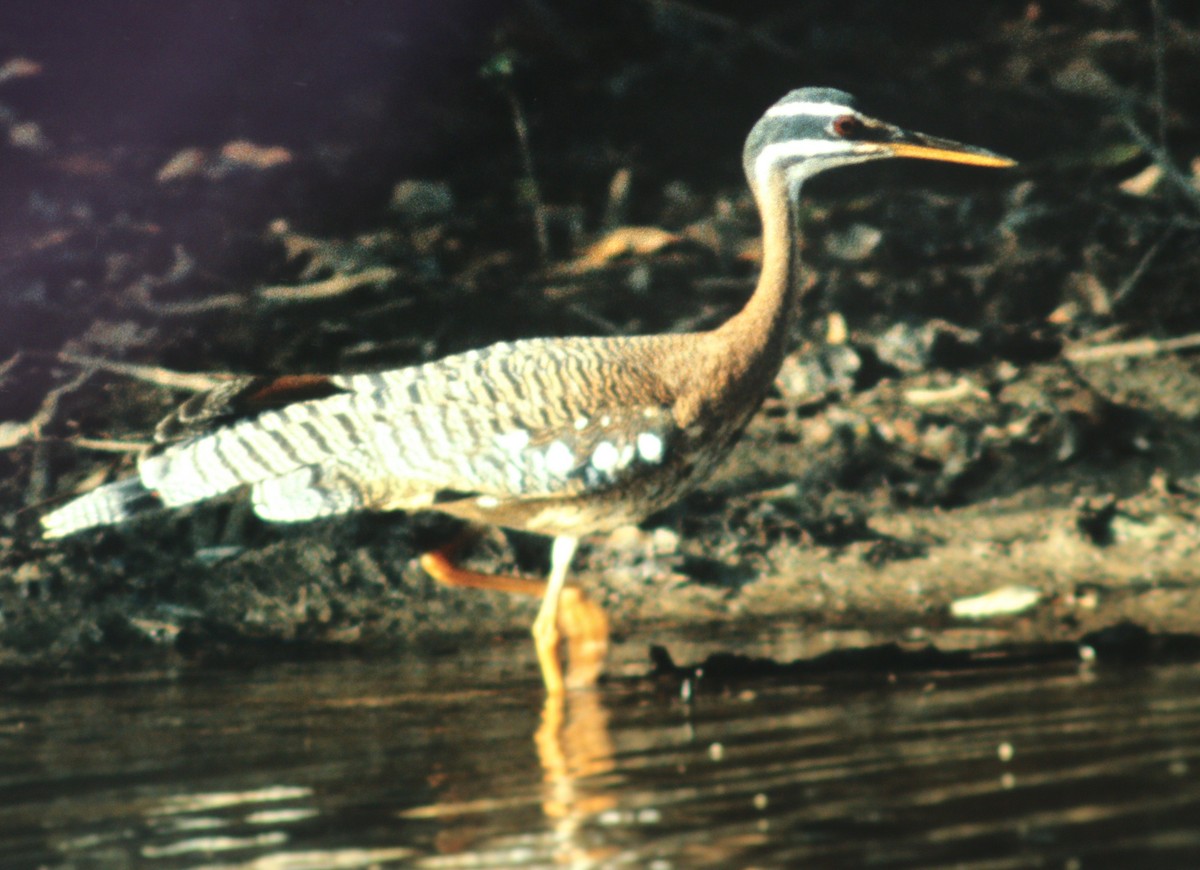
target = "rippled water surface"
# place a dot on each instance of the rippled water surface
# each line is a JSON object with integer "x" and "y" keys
{"x": 455, "y": 763}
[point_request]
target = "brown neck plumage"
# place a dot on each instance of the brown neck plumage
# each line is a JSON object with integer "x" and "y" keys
{"x": 761, "y": 327}
{"x": 747, "y": 350}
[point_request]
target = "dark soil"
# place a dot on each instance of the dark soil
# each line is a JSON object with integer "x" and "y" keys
{"x": 247, "y": 187}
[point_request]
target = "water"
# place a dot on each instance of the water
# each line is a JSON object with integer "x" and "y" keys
{"x": 454, "y": 762}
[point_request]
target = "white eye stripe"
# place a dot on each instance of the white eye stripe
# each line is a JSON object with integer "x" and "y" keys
{"x": 824, "y": 110}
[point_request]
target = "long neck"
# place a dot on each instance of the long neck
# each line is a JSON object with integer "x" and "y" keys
{"x": 755, "y": 337}
{"x": 725, "y": 376}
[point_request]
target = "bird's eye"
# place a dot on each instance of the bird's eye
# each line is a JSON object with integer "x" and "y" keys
{"x": 849, "y": 127}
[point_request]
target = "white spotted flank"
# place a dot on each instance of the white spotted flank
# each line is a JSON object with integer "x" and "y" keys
{"x": 514, "y": 441}
{"x": 605, "y": 456}
{"x": 650, "y": 447}
{"x": 559, "y": 458}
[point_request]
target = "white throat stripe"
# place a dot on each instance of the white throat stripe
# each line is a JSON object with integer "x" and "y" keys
{"x": 824, "y": 110}
{"x": 790, "y": 150}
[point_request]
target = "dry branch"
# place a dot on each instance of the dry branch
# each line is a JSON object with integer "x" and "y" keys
{"x": 1176, "y": 176}
{"x": 13, "y": 433}
{"x": 1136, "y": 347}
{"x": 156, "y": 375}
{"x": 111, "y": 445}
{"x": 327, "y": 289}
{"x": 8, "y": 365}
{"x": 140, "y": 295}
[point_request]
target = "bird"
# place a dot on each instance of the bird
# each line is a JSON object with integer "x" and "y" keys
{"x": 562, "y": 437}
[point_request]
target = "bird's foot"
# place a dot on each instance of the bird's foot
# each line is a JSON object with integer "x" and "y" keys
{"x": 585, "y": 625}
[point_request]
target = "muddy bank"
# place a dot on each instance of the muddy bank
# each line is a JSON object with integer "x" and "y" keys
{"x": 994, "y": 383}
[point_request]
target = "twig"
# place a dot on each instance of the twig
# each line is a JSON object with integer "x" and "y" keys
{"x": 327, "y": 289}
{"x": 1171, "y": 172}
{"x": 8, "y": 364}
{"x": 960, "y": 391}
{"x": 13, "y": 434}
{"x": 1136, "y": 347}
{"x": 617, "y": 207}
{"x": 140, "y": 294}
{"x": 161, "y": 377}
{"x": 1160, "y": 71}
{"x": 111, "y": 445}
{"x": 181, "y": 268}
{"x": 500, "y": 69}
{"x": 534, "y": 192}
{"x": 1140, "y": 269}
{"x": 594, "y": 318}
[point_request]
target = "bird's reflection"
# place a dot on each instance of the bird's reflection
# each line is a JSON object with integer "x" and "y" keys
{"x": 573, "y": 745}
{"x": 574, "y": 748}
{"x": 572, "y": 740}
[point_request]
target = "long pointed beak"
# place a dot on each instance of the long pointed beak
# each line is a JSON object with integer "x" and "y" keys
{"x": 922, "y": 147}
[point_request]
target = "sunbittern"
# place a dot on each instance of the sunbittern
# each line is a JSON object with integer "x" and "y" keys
{"x": 559, "y": 436}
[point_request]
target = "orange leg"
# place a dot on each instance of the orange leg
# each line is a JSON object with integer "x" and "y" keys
{"x": 564, "y": 609}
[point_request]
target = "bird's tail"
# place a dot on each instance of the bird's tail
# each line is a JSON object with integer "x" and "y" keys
{"x": 104, "y": 506}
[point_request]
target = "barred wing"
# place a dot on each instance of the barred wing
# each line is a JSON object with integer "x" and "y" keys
{"x": 514, "y": 421}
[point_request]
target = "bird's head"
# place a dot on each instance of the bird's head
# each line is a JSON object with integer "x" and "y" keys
{"x": 815, "y": 129}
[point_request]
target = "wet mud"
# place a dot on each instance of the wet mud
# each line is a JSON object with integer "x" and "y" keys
{"x": 994, "y": 388}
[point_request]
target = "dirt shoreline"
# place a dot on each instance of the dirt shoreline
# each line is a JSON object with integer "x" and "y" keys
{"x": 995, "y": 382}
